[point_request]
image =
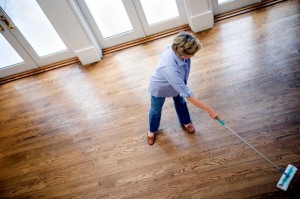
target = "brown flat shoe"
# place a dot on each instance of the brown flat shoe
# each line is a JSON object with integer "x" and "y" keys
{"x": 189, "y": 128}
{"x": 150, "y": 140}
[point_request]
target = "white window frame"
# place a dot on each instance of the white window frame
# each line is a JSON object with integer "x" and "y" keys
{"x": 230, "y": 5}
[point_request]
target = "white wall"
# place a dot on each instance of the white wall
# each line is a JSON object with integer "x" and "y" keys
{"x": 200, "y": 14}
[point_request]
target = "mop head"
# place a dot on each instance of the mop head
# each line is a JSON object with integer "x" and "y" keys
{"x": 287, "y": 177}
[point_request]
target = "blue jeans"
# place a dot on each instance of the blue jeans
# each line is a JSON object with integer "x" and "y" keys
{"x": 156, "y": 109}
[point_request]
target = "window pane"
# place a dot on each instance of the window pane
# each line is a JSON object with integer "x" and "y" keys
{"x": 35, "y": 26}
{"x": 159, "y": 10}
{"x": 8, "y": 55}
{"x": 110, "y": 16}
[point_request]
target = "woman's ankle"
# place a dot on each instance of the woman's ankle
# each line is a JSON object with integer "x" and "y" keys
{"x": 150, "y": 134}
{"x": 186, "y": 125}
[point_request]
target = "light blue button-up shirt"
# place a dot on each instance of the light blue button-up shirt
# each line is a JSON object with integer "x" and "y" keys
{"x": 170, "y": 76}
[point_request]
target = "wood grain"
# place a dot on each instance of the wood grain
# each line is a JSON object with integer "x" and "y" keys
{"x": 79, "y": 131}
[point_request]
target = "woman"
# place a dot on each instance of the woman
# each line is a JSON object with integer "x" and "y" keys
{"x": 170, "y": 80}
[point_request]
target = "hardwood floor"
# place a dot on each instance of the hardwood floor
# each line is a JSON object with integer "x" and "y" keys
{"x": 80, "y": 131}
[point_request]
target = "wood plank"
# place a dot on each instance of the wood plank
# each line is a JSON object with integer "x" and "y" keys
{"x": 42, "y": 69}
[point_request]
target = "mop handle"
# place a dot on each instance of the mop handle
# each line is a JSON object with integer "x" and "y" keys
{"x": 279, "y": 169}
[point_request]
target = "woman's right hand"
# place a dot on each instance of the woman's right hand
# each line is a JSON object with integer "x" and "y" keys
{"x": 212, "y": 114}
{"x": 203, "y": 106}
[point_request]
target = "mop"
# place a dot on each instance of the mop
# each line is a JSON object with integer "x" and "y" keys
{"x": 287, "y": 174}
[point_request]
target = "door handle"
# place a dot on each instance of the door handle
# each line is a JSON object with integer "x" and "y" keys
{"x": 1, "y": 28}
{"x": 3, "y": 18}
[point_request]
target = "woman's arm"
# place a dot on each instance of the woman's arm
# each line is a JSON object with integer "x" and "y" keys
{"x": 203, "y": 106}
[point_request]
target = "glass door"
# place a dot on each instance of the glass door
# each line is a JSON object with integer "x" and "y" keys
{"x": 13, "y": 58}
{"x": 33, "y": 30}
{"x": 160, "y": 15}
{"x": 113, "y": 22}
{"x": 118, "y": 21}
{"x": 222, "y": 6}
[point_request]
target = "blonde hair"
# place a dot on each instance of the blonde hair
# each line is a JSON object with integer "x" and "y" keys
{"x": 185, "y": 43}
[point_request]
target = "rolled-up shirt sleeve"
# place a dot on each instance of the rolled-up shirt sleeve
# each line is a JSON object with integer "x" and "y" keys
{"x": 176, "y": 81}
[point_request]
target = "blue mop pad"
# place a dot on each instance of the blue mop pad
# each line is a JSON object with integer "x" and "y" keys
{"x": 287, "y": 177}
